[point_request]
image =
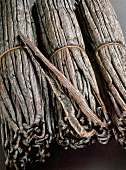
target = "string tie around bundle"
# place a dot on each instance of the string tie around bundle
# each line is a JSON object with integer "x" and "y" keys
{"x": 66, "y": 47}
{"x": 12, "y": 49}
{"x": 106, "y": 45}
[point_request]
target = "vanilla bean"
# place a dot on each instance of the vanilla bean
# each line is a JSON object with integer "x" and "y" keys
{"x": 74, "y": 93}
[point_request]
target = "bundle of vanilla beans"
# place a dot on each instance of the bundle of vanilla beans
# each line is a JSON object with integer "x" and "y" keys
{"x": 102, "y": 30}
{"x": 62, "y": 43}
{"x": 62, "y": 77}
{"x": 27, "y": 126}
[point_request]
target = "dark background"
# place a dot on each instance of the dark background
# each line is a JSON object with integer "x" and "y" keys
{"x": 94, "y": 157}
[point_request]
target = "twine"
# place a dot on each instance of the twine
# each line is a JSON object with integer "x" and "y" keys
{"x": 11, "y": 49}
{"x": 62, "y": 48}
{"x": 106, "y": 45}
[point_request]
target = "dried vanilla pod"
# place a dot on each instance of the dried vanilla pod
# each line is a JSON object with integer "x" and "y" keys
{"x": 61, "y": 41}
{"x": 26, "y": 123}
{"x": 103, "y": 34}
{"x": 77, "y": 96}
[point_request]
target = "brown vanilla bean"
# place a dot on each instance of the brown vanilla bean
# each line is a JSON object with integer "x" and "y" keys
{"x": 79, "y": 98}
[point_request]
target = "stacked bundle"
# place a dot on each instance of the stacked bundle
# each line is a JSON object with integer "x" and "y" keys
{"x": 61, "y": 40}
{"x": 57, "y": 97}
{"x": 99, "y": 24}
{"x": 26, "y": 123}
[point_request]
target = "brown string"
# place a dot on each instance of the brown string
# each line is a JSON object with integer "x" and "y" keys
{"x": 108, "y": 44}
{"x": 62, "y": 48}
{"x": 11, "y": 49}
